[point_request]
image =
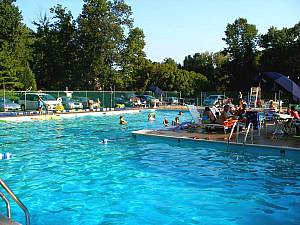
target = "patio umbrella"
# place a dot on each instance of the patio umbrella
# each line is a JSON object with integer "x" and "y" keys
{"x": 155, "y": 89}
{"x": 285, "y": 83}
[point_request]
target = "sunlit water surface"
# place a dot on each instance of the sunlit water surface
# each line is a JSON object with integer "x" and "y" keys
{"x": 65, "y": 176}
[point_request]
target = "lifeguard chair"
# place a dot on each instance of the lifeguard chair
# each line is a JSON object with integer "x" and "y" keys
{"x": 255, "y": 94}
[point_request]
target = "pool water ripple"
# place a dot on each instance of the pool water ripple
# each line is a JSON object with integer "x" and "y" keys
{"x": 64, "y": 175}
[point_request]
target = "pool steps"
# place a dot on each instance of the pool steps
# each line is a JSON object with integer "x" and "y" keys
{"x": 249, "y": 129}
{"x": 7, "y": 220}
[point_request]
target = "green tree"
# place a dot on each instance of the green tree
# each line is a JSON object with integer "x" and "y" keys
{"x": 211, "y": 65}
{"x": 200, "y": 63}
{"x": 241, "y": 39}
{"x": 41, "y": 62}
{"x": 220, "y": 79}
{"x": 101, "y": 27}
{"x": 281, "y": 51}
{"x": 168, "y": 76}
{"x": 15, "y": 42}
{"x": 56, "y": 54}
{"x": 133, "y": 57}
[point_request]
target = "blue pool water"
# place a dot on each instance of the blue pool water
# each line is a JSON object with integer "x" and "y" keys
{"x": 65, "y": 176}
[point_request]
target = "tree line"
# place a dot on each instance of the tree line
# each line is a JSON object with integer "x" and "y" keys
{"x": 101, "y": 48}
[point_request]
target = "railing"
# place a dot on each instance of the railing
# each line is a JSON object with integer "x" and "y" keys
{"x": 15, "y": 198}
{"x": 8, "y": 214}
{"x": 231, "y": 133}
{"x": 247, "y": 132}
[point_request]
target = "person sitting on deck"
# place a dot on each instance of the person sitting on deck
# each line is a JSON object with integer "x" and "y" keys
{"x": 225, "y": 114}
{"x": 271, "y": 105}
{"x": 294, "y": 113}
{"x": 208, "y": 116}
{"x": 240, "y": 113}
{"x": 294, "y": 122}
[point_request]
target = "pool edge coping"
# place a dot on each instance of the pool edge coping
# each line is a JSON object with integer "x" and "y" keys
{"x": 143, "y": 133}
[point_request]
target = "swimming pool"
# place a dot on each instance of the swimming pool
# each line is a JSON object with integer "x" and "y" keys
{"x": 65, "y": 176}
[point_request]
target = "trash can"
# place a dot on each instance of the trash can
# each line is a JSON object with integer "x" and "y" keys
{"x": 90, "y": 104}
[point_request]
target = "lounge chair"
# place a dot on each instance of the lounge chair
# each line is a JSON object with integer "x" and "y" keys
{"x": 198, "y": 122}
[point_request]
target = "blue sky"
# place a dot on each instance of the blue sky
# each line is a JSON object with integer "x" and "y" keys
{"x": 177, "y": 28}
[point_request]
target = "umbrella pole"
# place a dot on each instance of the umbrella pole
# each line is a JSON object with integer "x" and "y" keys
{"x": 279, "y": 101}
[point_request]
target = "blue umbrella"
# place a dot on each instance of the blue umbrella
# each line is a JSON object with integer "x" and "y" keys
{"x": 155, "y": 89}
{"x": 285, "y": 83}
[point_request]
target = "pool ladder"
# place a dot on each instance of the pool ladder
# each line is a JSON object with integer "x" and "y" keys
{"x": 16, "y": 200}
{"x": 249, "y": 128}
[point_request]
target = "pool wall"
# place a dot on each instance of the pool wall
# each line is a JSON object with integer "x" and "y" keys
{"x": 258, "y": 150}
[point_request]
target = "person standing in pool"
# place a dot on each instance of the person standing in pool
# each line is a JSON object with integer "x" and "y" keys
{"x": 122, "y": 120}
{"x": 166, "y": 122}
{"x": 151, "y": 116}
{"x": 176, "y": 121}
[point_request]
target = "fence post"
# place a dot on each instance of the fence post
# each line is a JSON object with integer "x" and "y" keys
{"x": 114, "y": 96}
{"x": 103, "y": 98}
{"x": 201, "y": 96}
{"x": 111, "y": 93}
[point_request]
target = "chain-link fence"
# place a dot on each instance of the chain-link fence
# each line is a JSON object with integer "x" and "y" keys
{"x": 111, "y": 99}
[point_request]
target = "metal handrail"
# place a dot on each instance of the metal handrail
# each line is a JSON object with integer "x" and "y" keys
{"x": 18, "y": 201}
{"x": 250, "y": 125}
{"x": 8, "y": 214}
{"x": 231, "y": 133}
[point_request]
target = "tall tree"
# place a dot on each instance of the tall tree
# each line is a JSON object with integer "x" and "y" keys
{"x": 220, "y": 78}
{"x": 211, "y": 65}
{"x": 241, "y": 39}
{"x": 15, "y": 42}
{"x": 281, "y": 51}
{"x": 200, "y": 63}
{"x": 133, "y": 57}
{"x": 102, "y": 27}
{"x": 55, "y": 61}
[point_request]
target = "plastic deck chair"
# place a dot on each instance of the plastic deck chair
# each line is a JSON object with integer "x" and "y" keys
{"x": 196, "y": 117}
{"x": 194, "y": 113}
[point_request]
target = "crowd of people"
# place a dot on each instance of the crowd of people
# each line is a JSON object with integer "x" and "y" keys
{"x": 213, "y": 115}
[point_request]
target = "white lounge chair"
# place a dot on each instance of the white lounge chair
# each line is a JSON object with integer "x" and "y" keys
{"x": 196, "y": 117}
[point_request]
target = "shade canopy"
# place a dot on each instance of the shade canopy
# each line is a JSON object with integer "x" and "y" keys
{"x": 155, "y": 89}
{"x": 285, "y": 83}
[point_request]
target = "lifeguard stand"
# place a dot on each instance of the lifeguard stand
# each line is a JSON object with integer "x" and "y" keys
{"x": 255, "y": 94}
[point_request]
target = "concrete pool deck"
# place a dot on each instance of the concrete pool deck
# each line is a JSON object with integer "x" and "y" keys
{"x": 264, "y": 140}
